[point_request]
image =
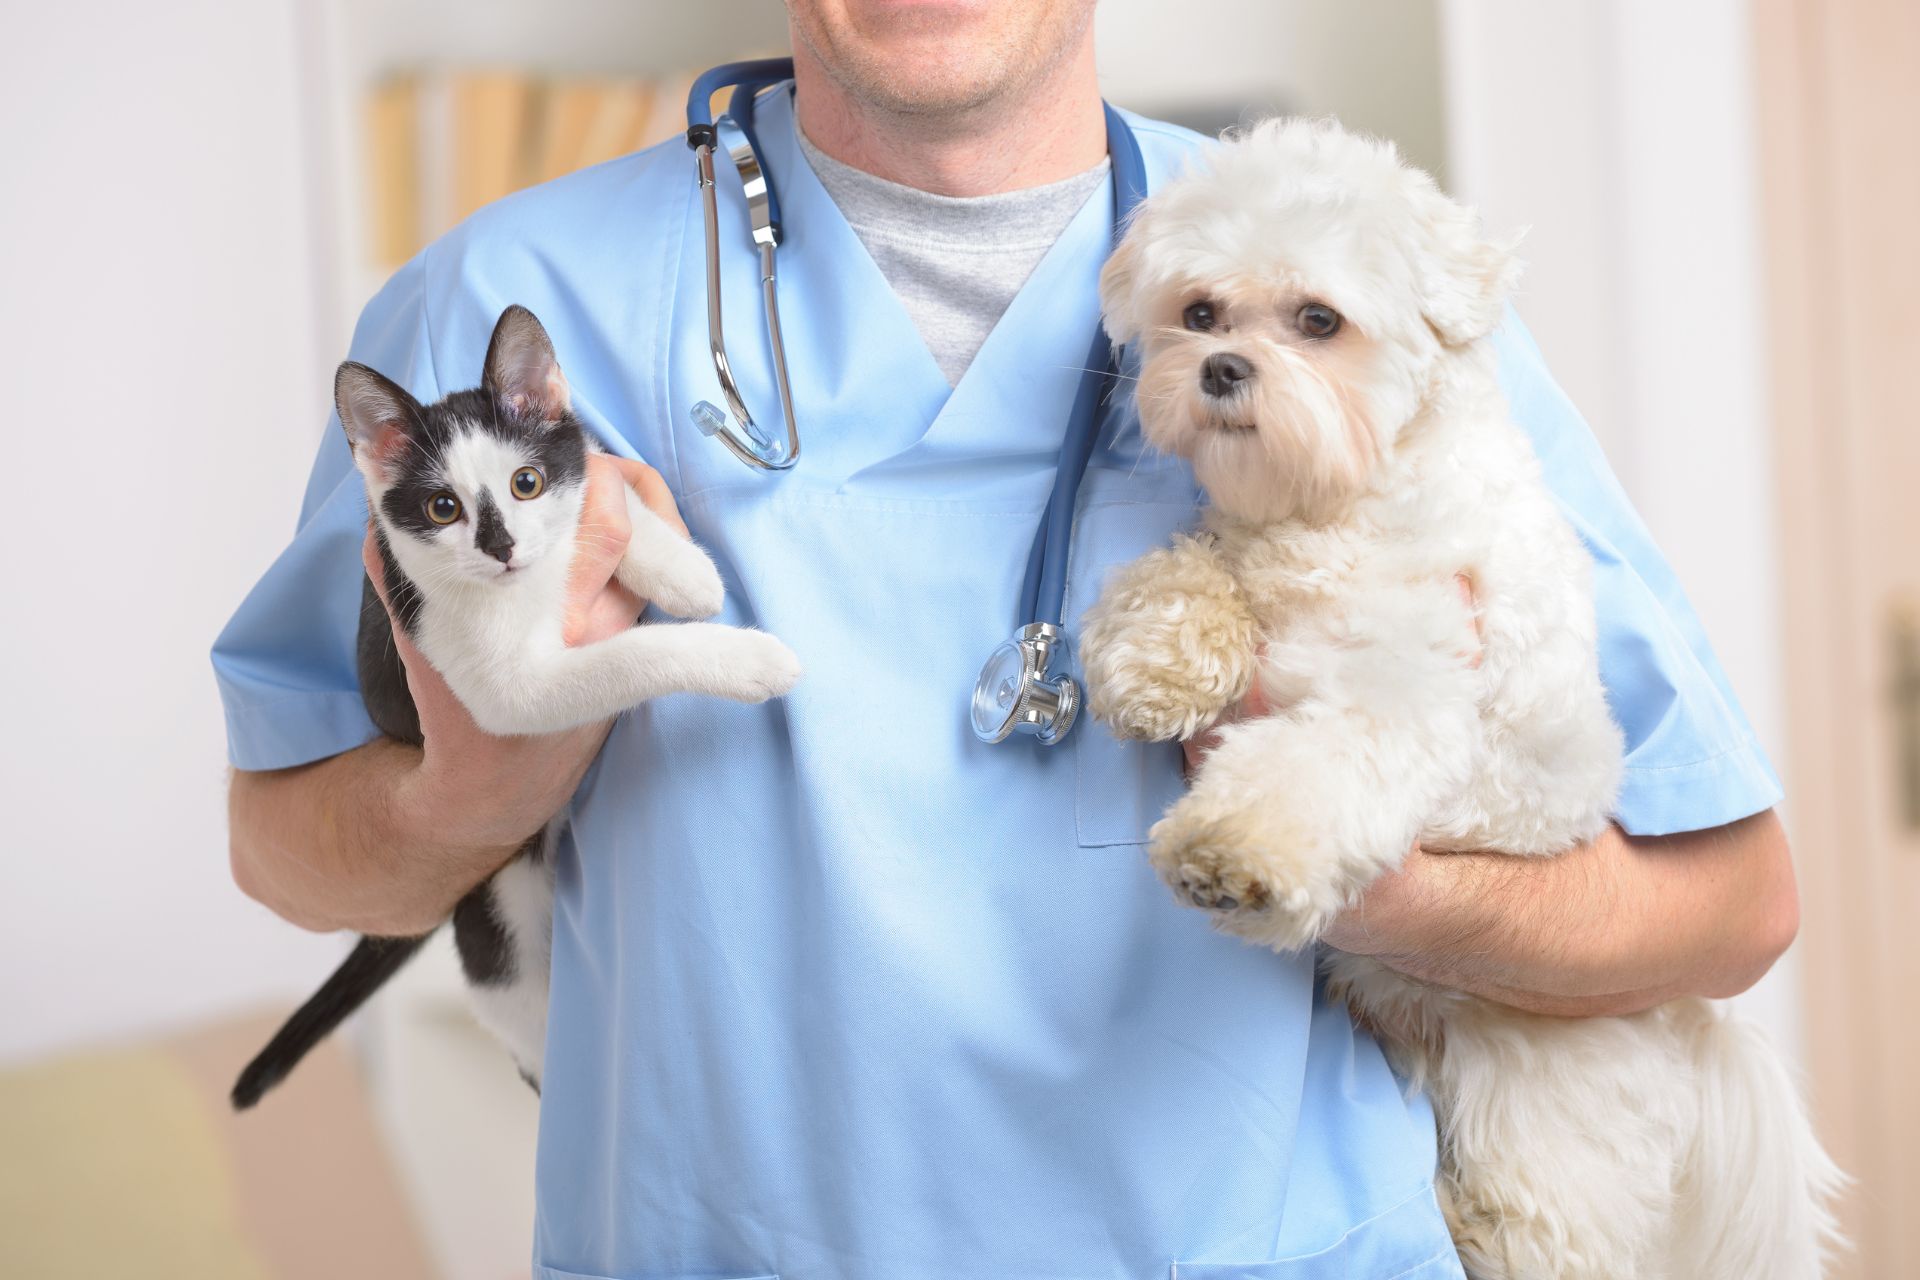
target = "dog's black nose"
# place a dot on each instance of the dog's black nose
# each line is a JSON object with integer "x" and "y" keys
{"x": 1222, "y": 373}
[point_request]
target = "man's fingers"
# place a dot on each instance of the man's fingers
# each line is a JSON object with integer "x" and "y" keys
{"x": 377, "y": 575}
{"x": 597, "y": 604}
{"x": 1250, "y": 707}
{"x": 1195, "y": 749}
{"x": 653, "y": 491}
{"x": 376, "y": 571}
{"x": 1464, "y": 584}
{"x": 410, "y": 656}
{"x": 605, "y": 510}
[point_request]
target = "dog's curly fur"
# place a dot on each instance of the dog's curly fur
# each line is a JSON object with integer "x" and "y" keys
{"x": 1352, "y": 476}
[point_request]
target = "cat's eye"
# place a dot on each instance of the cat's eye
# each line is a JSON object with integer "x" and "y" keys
{"x": 443, "y": 508}
{"x": 1317, "y": 320}
{"x": 1199, "y": 317}
{"x": 528, "y": 483}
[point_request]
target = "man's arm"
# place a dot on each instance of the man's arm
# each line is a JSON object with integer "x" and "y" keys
{"x": 386, "y": 838}
{"x": 320, "y": 844}
{"x": 1617, "y": 926}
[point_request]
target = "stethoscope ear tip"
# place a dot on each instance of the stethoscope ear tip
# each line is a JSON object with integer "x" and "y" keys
{"x": 746, "y": 438}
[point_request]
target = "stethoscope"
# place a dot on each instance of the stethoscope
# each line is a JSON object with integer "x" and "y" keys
{"x": 1024, "y": 686}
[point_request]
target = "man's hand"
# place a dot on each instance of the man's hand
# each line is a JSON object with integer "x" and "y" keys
{"x": 386, "y": 838}
{"x": 1619, "y": 925}
{"x": 1616, "y": 926}
{"x": 478, "y": 791}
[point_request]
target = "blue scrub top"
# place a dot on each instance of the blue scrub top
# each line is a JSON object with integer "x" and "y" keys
{"x": 839, "y": 993}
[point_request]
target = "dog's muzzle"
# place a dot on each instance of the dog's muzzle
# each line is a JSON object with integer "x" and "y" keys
{"x": 1222, "y": 373}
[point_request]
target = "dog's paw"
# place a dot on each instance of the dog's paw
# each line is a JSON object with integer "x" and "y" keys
{"x": 1153, "y": 698}
{"x": 1152, "y": 710}
{"x": 757, "y": 667}
{"x": 1253, "y": 881}
{"x": 1168, "y": 647}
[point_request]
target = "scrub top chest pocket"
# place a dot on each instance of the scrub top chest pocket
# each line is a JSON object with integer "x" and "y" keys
{"x": 1122, "y": 787}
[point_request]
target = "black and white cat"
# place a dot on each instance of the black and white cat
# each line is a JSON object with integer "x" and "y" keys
{"x": 476, "y": 501}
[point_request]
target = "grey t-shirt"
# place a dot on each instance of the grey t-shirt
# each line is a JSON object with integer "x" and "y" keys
{"x": 954, "y": 261}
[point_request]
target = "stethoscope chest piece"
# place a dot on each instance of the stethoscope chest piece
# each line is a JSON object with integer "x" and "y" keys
{"x": 1018, "y": 693}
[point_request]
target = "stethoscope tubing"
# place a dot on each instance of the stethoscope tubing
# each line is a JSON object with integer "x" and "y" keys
{"x": 1046, "y": 705}
{"x": 758, "y": 450}
{"x": 1044, "y": 593}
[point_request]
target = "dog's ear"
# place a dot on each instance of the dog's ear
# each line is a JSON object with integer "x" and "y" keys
{"x": 1464, "y": 278}
{"x": 1119, "y": 286}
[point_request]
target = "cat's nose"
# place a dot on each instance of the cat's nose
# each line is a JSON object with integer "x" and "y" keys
{"x": 490, "y": 534}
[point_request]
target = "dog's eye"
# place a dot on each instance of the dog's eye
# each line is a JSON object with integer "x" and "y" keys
{"x": 1199, "y": 317}
{"x": 528, "y": 483}
{"x": 443, "y": 508}
{"x": 1317, "y": 320}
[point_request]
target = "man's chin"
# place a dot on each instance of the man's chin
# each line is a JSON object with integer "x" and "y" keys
{"x": 925, "y": 78}
{"x": 932, "y": 57}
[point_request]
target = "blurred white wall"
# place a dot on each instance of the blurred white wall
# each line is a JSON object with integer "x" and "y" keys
{"x": 1623, "y": 134}
{"x": 156, "y": 308}
{"x": 1376, "y": 63}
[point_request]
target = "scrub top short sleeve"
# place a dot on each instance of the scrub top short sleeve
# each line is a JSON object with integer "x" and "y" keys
{"x": 1692, "y": 759}
{"x": 285, "y": 662}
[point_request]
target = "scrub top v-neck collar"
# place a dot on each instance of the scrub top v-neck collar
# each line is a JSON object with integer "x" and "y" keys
{"x": 886, "y": 415}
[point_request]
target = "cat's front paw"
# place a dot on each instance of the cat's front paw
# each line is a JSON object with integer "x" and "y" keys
{"x": 687, "y": 585}
{"x": 1260, "y": 880}
{"x": 756, "y": 667}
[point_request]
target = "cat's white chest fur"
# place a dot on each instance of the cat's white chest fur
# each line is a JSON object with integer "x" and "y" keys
{"x": 486, "y": 631}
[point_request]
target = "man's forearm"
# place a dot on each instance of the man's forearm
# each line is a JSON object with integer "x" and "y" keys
{"x": 1619, "y": 925}
{"x": 334, "y": 845}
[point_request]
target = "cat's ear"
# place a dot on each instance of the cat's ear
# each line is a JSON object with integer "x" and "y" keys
{"x": 379, "y": 417}
{"x": 522, "y": 371}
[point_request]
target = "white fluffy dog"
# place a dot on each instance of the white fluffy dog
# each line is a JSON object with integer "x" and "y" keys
{"x": 1311, "y": 315}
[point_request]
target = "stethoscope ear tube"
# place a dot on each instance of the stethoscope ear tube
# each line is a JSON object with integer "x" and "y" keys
{"x": 1044, "y": 598}
{"x": 743, "y": 437}
{"x": 759, "y": 73}
{"x": 1018, "y": 691}
{"x": 1043, "y": 704}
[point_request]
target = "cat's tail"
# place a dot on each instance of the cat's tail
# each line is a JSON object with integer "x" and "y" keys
{"x": 361, "y": 974}
{"x": 1757, "y": 1193}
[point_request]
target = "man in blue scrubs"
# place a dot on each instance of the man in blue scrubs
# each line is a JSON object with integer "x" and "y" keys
{"x": 840, "y": 993}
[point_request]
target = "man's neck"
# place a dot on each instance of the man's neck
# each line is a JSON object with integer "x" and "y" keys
{"x": 1051, "y": 131}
